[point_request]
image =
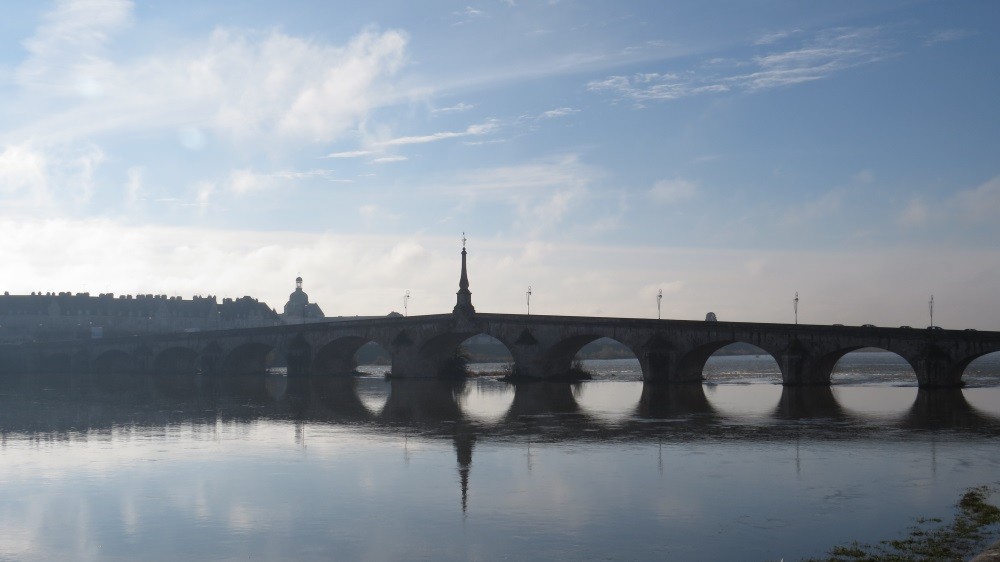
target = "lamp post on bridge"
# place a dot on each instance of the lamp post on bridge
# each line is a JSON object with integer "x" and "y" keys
{"x": 930, "y": 306}
{"x": 659, "y": 297}
{"x": 527, "y": 299}
{"x": 406, "y": 304}
{"x": 795, "y": 307}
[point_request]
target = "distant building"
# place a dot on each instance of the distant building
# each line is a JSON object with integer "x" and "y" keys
{"x": 75, "y": 316}
{"x": 298, "y": 309}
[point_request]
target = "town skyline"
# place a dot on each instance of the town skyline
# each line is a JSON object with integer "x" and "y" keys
{"x": 729, "y": 154}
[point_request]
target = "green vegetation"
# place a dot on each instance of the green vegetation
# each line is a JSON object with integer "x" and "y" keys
{"x": 976, "y": 521}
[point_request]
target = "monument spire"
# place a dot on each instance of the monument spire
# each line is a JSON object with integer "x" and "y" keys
{"x": 464, "y": 304}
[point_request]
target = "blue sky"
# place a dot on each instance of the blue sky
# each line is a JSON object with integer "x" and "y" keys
{"x": 728, "y": 153}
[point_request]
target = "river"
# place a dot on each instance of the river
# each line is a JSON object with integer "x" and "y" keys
{"x": 351, "y": 468}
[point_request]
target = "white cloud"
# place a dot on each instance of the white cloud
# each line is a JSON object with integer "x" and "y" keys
{"x": 975, "y": 206}
{"x": 822, "y": 56}
{"x": 673, "y": 191}
{"x": 980, "y": 204}
{"x": 771, "y": 38}
{"x": 947, "y": 36}
{"x": 389, "y": 159}
{"x": 192, "y": 138}
{"x": 133, "y": 186}
{"x": 541, "y": 193}
{"x": 350, "y": 154}
{"x": 915, "y": 213}
{"x": 67, "y": 49}
{"x": 368, "y": 211}
{"x": 830, "y": 52}
{"x": 552, "y": 208}
{"x": 608, "y": 219}
{"x": 246, "y": 181}
{"x": 828, "y": 204}
{"x": 471, "y": 130}
{"x": 560, "y": 171}
{"x": 38, "y": 178}
{"x": 23, "y": 169}
{"x": 457, "y": 108}
{"x": 242, "y": 85}
{"x": 204, "y": 190}
{"x": 558, "y": 112}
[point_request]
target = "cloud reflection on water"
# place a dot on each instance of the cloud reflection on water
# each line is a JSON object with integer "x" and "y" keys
{"x": 290, "y": 468}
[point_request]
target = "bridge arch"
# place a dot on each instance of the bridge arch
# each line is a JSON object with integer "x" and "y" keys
{"x": 980, "y": 368}
{"x": 447, "y": 355}
{"x": 694, "y": 364}
{"x": 739, "y": 361}
{"x": 485, "y": 354}
{"x": 563, "y": 359}
{"x": 607, "y": 357}
{"x": 176, "y": 361}
{"x": 248, "y": 358}
{"x": 340, "y": 355}
{"x": 113, "y": 362}
{"x": 868, "y": 364}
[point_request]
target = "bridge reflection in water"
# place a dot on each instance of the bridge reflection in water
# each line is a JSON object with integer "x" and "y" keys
{"x": 60, "y": 406}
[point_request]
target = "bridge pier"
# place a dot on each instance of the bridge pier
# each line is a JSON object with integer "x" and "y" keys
{"x": 409, "y": 362}
{"x": 936, "y": 369}
{"x": 299, "y": 357}
{"x": 801, "y": 366}
{"x": 801, "y": 371}
{"x": 664, "y": 366}
{"x": 529, "y": 362}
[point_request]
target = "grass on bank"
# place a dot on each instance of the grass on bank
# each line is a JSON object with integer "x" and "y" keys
{"x": 975, "y": 523}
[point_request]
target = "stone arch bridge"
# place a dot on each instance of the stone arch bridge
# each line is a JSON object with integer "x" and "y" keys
{"x": 543, "y": 347}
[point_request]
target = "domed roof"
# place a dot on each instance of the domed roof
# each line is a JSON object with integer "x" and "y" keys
{"x": 299, "y": 297}
{"x": 298, "y": 305}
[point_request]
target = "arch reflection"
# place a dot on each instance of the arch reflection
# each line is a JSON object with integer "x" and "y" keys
{"x": 809, "y": 403}
{"x": 423, "y": 402}
{"x": 57, "y": 403}
{"x": 946, "y": 408}
{"x": 673, "y": 401}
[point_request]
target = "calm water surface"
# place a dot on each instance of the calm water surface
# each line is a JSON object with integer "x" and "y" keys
{"x": 124, "y": 468}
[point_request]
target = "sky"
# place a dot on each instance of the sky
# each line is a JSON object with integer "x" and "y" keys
{"x": 728, "y": 154}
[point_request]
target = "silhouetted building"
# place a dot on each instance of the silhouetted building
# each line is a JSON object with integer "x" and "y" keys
{"x": 75, "y": 316}
{"x": 298, "y": 309}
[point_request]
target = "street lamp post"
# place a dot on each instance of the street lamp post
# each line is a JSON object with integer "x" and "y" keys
{"x": 930, "y": 306}
{"x": 406, "y": 304}
{"x": 527, "y": 299}
{"x": 659, "y": 297}
{"x": 795, "y": 306}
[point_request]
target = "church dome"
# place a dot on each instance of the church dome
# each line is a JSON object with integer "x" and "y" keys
{"x": 298, "y": 304}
